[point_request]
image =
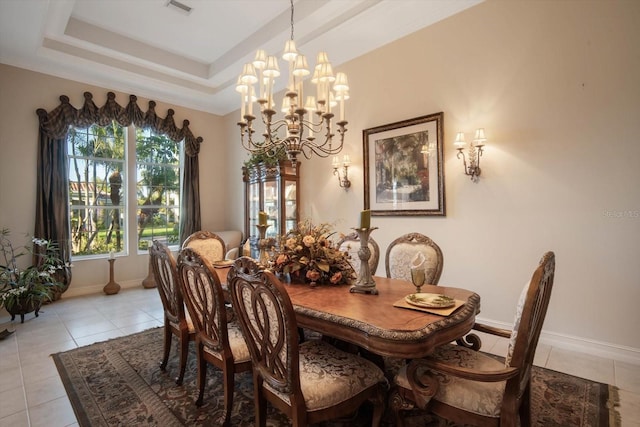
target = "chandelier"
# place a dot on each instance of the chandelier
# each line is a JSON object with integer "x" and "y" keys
{"x": 298, "y": 131}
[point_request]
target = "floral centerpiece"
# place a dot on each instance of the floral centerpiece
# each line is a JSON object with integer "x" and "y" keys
{"x": 307, "y": 254}
{"x": 24, "y": 289}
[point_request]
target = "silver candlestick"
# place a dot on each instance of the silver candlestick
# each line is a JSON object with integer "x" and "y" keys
{"x": 365, "y": 283}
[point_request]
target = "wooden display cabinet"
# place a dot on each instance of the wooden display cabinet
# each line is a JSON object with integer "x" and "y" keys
{"x": 274, "y": 190}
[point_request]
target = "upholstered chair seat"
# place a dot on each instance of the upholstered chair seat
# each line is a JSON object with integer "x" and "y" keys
{"x": 237, "y": 344}
{"x": 329, "y": 376}
{"x": 190, "y": 328}
{"x": 482, "y": 398}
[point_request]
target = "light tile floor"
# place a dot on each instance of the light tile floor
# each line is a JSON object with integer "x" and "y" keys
{"x": 31, "y": 393}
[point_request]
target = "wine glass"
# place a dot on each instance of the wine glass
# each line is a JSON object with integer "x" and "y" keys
{"x": 418, "y": 278}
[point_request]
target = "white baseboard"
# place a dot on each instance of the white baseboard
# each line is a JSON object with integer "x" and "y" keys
{"x": 580, "y": 345}
{"x": 97, "y": 289}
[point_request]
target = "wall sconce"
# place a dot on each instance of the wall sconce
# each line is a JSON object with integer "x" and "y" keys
{"x": 344, "y": 180}
{"x": 475, "y": 152}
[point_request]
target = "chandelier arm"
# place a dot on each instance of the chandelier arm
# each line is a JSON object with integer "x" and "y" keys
{"x": 314, "y": 127}
{"x": 321, "y": 149}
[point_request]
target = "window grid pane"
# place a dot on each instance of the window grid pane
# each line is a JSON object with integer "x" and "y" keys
{"x": 158, "y": 169}
{"x": 97, "y": 198}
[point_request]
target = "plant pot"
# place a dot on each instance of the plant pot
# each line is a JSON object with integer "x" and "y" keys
{"x": 23, "y": 307}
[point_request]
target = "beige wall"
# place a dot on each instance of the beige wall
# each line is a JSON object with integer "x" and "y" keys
{"x": 21, "y": 93}
{"x": 555, "y": 84}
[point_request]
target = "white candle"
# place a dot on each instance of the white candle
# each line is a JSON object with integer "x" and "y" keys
{"x": 243, "y": 96}
{"x": 111, "y": 255}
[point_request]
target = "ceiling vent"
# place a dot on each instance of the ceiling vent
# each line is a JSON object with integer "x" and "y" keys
{"x": 180, "y": 6}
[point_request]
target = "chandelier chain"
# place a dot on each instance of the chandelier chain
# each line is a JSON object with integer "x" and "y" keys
{"x": 291, "y": 19}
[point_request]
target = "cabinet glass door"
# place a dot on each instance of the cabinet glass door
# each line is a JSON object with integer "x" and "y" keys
{"x": 254, "y": 207}
{"x": 271, "y": 207}
{"x": 290, "y": 205}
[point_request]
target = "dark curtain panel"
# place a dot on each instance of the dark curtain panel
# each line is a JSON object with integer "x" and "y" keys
{"x": 52, "y": 216}
{"x": 190, "y": 200}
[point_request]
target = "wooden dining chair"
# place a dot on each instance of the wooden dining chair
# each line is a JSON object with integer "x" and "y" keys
{"x": 310, "y": 381}
{"x": 207, "y": 244}
{"x": 351, "y": 244}
{"x": 470, "y": 387}
{"x": 176, "y": 321}
{"x": 401, "y": 251}
{"x": 219, "y": 342}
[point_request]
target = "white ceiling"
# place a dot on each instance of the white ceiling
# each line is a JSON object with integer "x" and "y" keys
{"x": 153, "y": 50}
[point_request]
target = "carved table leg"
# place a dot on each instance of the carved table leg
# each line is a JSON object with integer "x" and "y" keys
{"x": 471, "y": 341}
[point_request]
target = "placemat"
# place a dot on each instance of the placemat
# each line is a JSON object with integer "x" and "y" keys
{"x": 439, "y": 311}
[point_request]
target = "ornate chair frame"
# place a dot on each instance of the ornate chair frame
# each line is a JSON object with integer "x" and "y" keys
{"x": 176, "y": 321}
{"x": 218, "y": 341}
{"x": 282, "y": 367}
{"x": 419, "y": 384}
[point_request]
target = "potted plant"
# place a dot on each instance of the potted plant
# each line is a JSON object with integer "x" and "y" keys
{"x": 23, "y": 290}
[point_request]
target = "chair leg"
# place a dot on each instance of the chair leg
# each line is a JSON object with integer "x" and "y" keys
{"x": 260, "y": 402}
{"x": 167, "y": 345}
{"x": 202, "y": 375}
{"x": 184, "y": 350}
{"x": 378, "y": 407}
{"x": 525, "y": 407}
{"x": 397, "y": 404}
{"x": 229, "y": 385}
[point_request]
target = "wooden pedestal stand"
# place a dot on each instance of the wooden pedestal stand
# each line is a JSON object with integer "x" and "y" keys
{"x": 112, "y": 287}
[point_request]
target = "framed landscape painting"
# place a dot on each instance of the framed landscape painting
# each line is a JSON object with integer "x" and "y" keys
{"x": 403, "y": 167}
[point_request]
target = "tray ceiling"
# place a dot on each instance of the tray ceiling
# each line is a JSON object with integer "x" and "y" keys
{"x": 158, "y": 50}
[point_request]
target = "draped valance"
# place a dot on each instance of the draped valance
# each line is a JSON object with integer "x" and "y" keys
{"x": 52, "y": 194}
{"x": 55, "y": 124}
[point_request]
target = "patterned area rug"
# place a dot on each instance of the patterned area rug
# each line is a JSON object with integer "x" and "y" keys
{"x": 119, "y": 383}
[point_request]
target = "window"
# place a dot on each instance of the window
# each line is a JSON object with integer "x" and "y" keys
{"x": 158, "y": 167}
{"x": 101, "y": 192}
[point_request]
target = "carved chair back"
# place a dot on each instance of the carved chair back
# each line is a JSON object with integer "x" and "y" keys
{"x": 176, "y": 320}
{"x": 402, "y": 250}
{"x": 207, "y": 244}
{"x": 351, "y": 244}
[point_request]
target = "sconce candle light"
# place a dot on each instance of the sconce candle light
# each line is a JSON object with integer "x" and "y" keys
{"x": 475, "y": 152}
{"x": 344, "y": 180}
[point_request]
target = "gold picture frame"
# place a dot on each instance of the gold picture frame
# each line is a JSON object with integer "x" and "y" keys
{"x": 403, "y": 167}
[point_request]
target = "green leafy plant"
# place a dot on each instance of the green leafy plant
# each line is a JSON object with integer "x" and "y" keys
{"x": 34, "y": 284}
{"x": 266, "y": 158}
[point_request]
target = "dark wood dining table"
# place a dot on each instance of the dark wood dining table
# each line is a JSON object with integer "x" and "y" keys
{"x": 373, "y": 323}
